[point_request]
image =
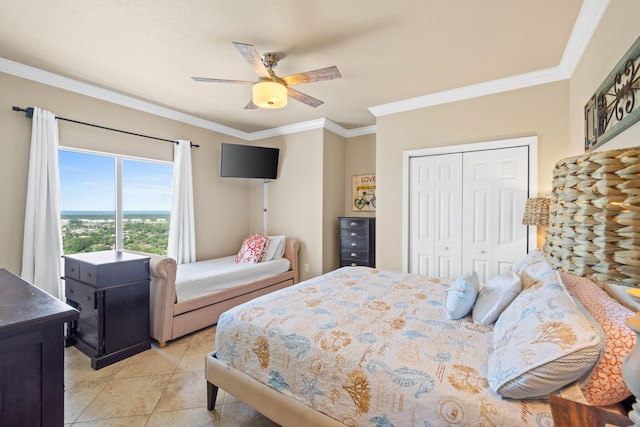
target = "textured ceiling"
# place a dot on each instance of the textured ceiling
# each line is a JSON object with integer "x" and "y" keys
{"x": 386, "y": 51}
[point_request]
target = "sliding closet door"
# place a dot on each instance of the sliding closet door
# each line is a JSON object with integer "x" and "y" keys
{"x": 495, "y": 188}
{"x": 436, "y": 214}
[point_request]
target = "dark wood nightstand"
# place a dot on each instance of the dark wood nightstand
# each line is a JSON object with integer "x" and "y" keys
{"x": 110, "y": 289}
{"x": 567, "y": 413}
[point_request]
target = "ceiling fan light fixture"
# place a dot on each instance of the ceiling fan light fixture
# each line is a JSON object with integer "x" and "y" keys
{"x": 269, "y": 95}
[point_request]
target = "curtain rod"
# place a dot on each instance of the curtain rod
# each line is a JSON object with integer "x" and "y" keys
{"x": 29, "y": 113}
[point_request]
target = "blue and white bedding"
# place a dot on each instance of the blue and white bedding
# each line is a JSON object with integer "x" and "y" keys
{"x": 201, "y": 278}
{"x": 371, "y": 347}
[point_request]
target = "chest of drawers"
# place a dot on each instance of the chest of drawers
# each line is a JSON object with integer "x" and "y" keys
{"x": 31, "y": 354}
{"x": 110, "y": 289}
{"x": 357, "y": 241}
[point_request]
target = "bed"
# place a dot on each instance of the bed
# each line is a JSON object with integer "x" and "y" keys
{"x": 361, "y": 346}
{"x": 188, "y": 297}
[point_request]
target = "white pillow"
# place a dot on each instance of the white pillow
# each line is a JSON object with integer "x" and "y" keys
{"x": 542, "y": 341}
{"x": 619, "y": 293}
{"x": 275, "y": 248}
{"x": 460, "y": 296}
{"x": 495, "y": 295}
{"x": 533, "y": 266}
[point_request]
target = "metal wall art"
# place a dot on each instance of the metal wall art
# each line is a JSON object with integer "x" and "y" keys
{"x": 616, "y": 104}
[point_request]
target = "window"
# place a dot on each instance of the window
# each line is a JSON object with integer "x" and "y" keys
{"x": 114, "y": 202}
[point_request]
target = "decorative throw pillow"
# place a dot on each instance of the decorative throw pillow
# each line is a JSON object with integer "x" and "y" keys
{"x": 605, "y": 385}
{"x": 541, "y": 342}
{"x": 460, "y": 296}
{"x": 494, "y": 296}
{"x": 532, "y": 266}
{"x": 252, "y": 249}
{"x": 619, "y": 293}
{"x": 274, "y": 248}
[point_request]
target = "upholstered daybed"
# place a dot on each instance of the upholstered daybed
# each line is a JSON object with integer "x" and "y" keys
{"x": 172, "y": 318}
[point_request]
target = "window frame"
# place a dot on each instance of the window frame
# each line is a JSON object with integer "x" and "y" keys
{"x": 118, "y": 169}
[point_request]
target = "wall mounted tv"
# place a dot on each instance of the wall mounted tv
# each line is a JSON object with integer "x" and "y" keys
{"x": 247, "y": 161}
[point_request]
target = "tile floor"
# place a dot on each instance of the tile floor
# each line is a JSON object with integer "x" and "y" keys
{"x": 158, "y": 387}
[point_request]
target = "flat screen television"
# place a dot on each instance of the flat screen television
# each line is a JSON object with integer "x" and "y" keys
{"x": 247, "y": 161}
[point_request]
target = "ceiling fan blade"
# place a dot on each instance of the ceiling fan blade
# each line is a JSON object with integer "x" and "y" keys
{"x": 251, "y": 105}
{"x": 328, "y": 73}
{"x": 305, "y": 99}
{"x": 209, "y": 80}
{"x": 254, "y": 59}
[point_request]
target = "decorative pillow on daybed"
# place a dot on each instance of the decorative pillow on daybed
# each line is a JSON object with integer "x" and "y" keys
{"x": 252, "y": 249}
{"x": 274, "y": 248}
{"x": 494, "y": 296}
{"x": 460, "y": 296}
{"x": 605, "y": 385}
{"x": 542, "y": 341}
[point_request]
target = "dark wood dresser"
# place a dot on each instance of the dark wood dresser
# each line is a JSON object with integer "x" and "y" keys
{"x": 31, "y": 354}
{"x": 110, "y": 289}
{"x": 357, "y": 241}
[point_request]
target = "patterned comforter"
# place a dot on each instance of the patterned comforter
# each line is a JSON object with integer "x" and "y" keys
{"x": 372, "y": 348}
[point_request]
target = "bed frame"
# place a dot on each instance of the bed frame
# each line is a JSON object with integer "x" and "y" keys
{"x": 278, "y": 407}
{"x": 171, "y": 319}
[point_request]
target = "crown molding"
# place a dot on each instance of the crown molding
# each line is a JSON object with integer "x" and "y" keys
{"x": 586, "y": 23}
{"x": 365, "y": 130}
{"x": 287, "y": 130}
{"x": 588, "y": 19}
{"x": 520, "y": 81}
{"x": 31, "y": 73}
{"x": 35, "y": 74}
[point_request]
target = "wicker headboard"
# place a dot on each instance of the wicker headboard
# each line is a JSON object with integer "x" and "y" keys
{"x": 594, "y": 217}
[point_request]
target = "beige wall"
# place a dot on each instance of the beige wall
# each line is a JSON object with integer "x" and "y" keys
{"x": 306, "y": 199}
{"x": 540, "y": 110}
{"x": 295, "y": 198}
{"x": 221, "y": 205}
{"x": 333, "y": 197}
{"x": 553, "y": 112}
{"x": 302, "y": 201}
{"x": 360, "y": 159}
{"x": 617, "y": 31}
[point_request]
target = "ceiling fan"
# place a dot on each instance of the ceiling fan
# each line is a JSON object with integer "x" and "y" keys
{"x": 270, "y": 91}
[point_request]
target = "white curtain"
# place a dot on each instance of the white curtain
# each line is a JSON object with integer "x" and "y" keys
{"x": 42, "y": 246}
{"x": 182, "y": 235}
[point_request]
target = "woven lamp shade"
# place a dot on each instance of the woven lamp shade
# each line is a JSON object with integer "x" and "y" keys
{"x": 536, "y": 211}
{"x": 594, "y": 217}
